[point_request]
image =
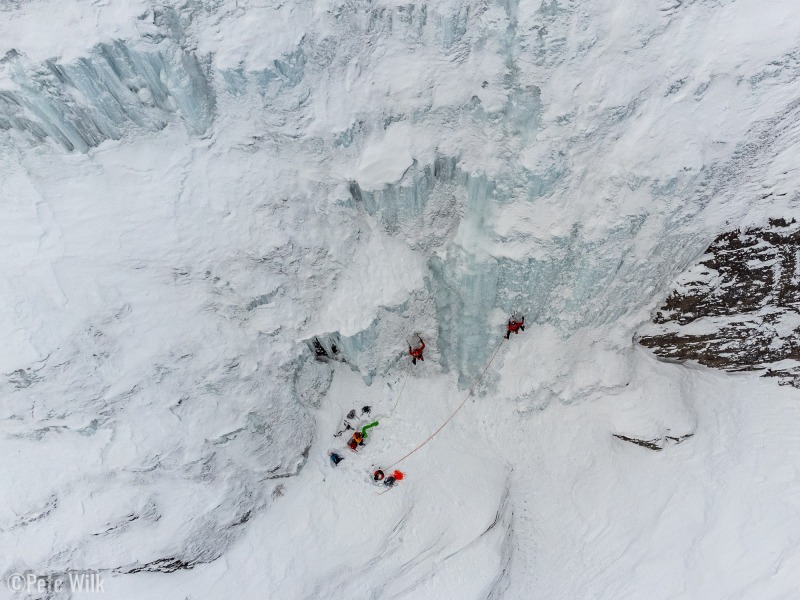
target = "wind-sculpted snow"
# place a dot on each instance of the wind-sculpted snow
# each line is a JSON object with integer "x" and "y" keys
{"x": 149, "y": 413}
{"x": 225, "y": 218}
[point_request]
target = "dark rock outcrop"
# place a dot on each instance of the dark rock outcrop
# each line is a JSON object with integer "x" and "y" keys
{"x": 738, "y": 308}
{"x": 656, "y": 444}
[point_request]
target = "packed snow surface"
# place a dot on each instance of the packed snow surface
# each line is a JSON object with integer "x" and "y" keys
{"x": 223, "y": 219}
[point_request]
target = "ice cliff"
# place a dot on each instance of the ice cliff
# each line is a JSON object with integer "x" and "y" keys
{"x": 224, "y": 217}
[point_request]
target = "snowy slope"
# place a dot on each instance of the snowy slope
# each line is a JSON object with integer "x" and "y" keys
{"x": 193, "y": 193}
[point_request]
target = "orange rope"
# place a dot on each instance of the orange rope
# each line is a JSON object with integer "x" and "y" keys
{"x": 469, "y": 393}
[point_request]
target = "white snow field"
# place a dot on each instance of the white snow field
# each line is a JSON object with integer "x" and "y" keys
{"x": 199, "y": 197}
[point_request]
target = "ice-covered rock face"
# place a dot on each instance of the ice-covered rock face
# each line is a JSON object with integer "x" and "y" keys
{"x": 101, "y": 97}
{"x": 196, "y": 193}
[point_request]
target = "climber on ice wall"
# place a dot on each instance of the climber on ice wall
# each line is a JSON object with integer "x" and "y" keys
{"x": 515, "y": 323}
{"x": 415, "y": 347}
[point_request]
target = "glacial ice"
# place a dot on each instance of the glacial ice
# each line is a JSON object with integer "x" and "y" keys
{"x": 117, "y": 86}
{"x": 587, "y": 276}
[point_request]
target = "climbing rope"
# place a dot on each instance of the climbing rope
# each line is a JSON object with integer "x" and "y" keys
{"x": 400, "y": 395}
{"x": 469, "y": 393}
